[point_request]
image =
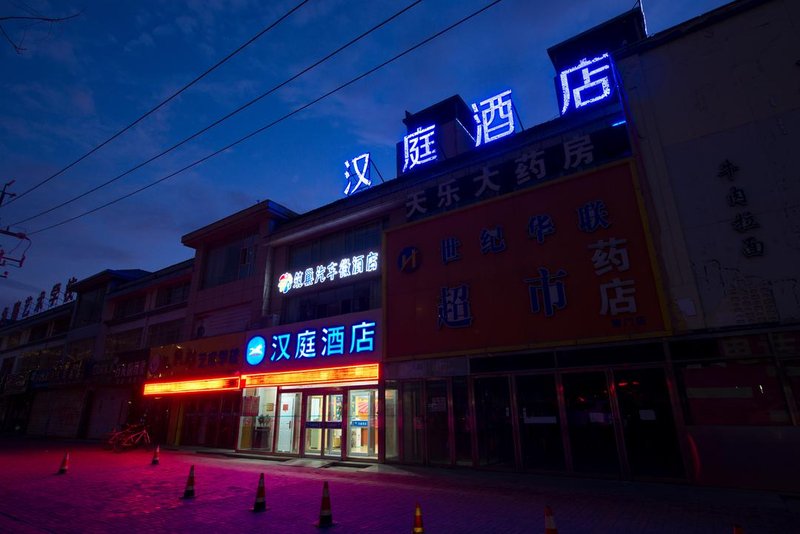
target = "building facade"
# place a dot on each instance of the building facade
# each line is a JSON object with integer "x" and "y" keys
{"x": 612, "y": 293}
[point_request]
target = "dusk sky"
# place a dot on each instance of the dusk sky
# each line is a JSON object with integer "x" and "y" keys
{"x": 78, "y": 82}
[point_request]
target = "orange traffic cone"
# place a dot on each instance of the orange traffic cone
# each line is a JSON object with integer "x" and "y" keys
{"x": 549, "y": 521}
{"x": 261, "y": 503}
{"x": 737, "y": 529}
{"x": 155, "y": 455}
{"x": 64, "y": 464}
{"x": 325, "y": 515}
{"x": 188, "y": 493}
{"x": 418, "y": 521}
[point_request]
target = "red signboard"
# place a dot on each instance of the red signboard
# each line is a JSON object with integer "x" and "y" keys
{"x": 558, "y": 264}
{"x": 213, "y": 356}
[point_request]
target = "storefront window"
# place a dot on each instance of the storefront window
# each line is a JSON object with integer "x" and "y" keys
{"x": 436, "y": 422}
{"x": 392, "y": 452}
{"x": 257, "y": 423}
{"x": 735, "y": 392}
{"x": 792, "y": 368}
{"x": 493, "y": 417}
{"x": 413, "y": 422}
{"x": 461, "y": 422}
{"x": 363, "y": 423}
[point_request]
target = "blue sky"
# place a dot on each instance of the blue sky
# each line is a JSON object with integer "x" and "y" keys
{"x": 78, "y": 82}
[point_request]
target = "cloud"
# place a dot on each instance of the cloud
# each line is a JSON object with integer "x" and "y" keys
{"x": 186, "y": 24}
{"x": 145, "y": 40}
{"x": 83, "y": 101}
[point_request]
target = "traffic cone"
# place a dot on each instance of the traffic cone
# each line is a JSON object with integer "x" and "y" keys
{"x": 155, "y": 455}
{"x": 64, "y": 464}
{"x": 260, "y": 504}
{"x": 737, "y": 529}
{"x": 188, "y": 493}
{"x": 418, "y": 521}
{"x": 549, "y": 521}
{"x": 325, "y": 516}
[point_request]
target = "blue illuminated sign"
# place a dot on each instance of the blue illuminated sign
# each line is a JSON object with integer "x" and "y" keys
{"x": 360, "y": 175}
{"x": 334, "y": 340}
{"x": 256, "y": 348}
{"x": 588, "y": 82}
{"x": 494, "y": 118}
{"x": 418, "y": 147}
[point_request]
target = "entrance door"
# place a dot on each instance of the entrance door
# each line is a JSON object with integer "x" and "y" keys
{"x": 648, "y": 425}
{"x": 493, "y": 417}
{"x": 323, "y": 425}
{"x": 539, "y": 423}
{"x": 590, "y": 423}
{"x": 289, "y": 423}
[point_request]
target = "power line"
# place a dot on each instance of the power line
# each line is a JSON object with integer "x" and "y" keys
{"x": 163, "y": 103}
{"x": 221, "y": 119}
{"x": 273, "y": 123}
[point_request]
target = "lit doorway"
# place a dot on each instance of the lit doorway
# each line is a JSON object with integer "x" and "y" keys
{"x": 323, "y": 425}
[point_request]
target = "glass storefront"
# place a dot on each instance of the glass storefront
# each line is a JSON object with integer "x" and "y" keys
{"x": 311, "y": 422}
{"x": 257, "y": 423}
{"x": 615, "y": 422}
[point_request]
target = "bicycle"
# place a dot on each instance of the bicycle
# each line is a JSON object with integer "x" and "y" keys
{"x": 130, "y": 437}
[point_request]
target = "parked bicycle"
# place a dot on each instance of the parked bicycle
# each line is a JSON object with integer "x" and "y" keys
{"x": 130, "y": 437}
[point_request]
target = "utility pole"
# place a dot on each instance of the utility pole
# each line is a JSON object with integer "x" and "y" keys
{"x": 4, "y": 259}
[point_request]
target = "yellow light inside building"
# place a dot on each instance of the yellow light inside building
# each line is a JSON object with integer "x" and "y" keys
{"x": 192, "y": 386}
{"x": 328, "y": 375}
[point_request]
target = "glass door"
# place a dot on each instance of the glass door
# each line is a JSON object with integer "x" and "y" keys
{"x": 363, "y": 423}
{"x": 539, "y": 423}
{"x": 437, "y": 422}
{"x": 289, "y": 423}
{"x": 590, "y": 423}
{"x": 333, "y": 425}
{"x": 648, "y": 425}
{"x": 323, "y": 425}
{"x": 493, "y": 418}
{"x": 313, "y": 424}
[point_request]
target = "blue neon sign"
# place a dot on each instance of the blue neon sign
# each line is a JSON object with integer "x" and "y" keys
{"x": 588, "y": 82}
{"x": 359, "y": 176}
{"x": 419, "y": 147}
{"x": 256, "y": 348}
{"x": 333, "y": 340}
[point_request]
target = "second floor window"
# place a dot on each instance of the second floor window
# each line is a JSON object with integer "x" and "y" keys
{"x": 229, "y": 262}
{"x": 128, "y": 307}
{"x": 123, "y": 342}
{"x": 172, "y": 295}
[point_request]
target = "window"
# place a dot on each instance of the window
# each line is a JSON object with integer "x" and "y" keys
{"x": 14, "y": 340}
{"x": 128, "y": 307}
{"x": 736, "y": 392}
{"x": 229, "y": 262}
{"x": 60, "y": 326}
{"x": 38, "y": 332}
{"x": 335, "y": 246}
{"x": 172, "y": 295}
{"x": 123, "y": 342}
{"x": 90, "y": 307}
{"x": 365, "y": 295}
{"x": 164, "y": 333}
{"x": 81, "y": 349}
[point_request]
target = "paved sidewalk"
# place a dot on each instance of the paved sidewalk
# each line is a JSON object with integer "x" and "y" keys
{"x": 122, "y": 492}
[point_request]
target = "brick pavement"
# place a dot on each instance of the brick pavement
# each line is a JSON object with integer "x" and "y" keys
{"x": 105, "y": 491}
